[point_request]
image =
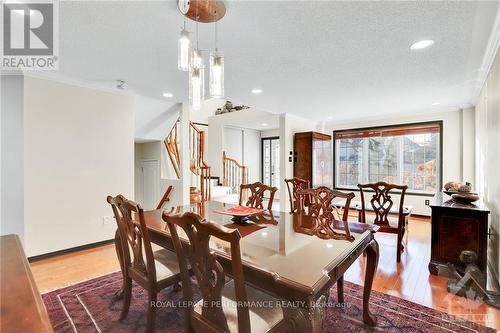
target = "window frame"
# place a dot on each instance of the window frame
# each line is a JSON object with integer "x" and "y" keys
{"x": 439, "y": 123}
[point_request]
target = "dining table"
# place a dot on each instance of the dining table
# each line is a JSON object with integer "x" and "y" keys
{"x": 288, "y": 255}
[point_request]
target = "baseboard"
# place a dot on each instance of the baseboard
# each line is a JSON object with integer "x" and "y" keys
{"x": 72, "y": 249}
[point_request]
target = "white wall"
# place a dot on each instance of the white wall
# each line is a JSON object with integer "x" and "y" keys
{"x": 154, "y": 118}
{"x": 78, "y": 148}
{"x": 252, "y": 154}
{"x": 12, "y": 147}
{"x": 468, "y": 145}
{"x": 270, "y": 133}
{"x": 233, "y": 143}
{"x": 453, "y": 139}
{"x": 288, "y": 126}
{"x": 488, "y": 156}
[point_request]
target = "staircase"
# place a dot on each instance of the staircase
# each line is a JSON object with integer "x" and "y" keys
{"x": 197, "y": 165}
{"x": 233, "y": 173}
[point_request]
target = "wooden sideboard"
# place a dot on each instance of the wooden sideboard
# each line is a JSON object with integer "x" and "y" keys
{"x": 21, "y": 306}
{"x": 457, "y": 227}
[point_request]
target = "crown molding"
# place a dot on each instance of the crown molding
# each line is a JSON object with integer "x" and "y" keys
{"x": 489, "y": 55}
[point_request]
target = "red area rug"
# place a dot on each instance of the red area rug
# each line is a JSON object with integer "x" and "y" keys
{"x": 91, "y": 306}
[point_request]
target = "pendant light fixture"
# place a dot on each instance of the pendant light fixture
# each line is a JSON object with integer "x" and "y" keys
{"x": 216, "y": 71}
{"x": 190, "y": 58}
{"x": 183, "y": 50}
{"x": 196, "y": 77}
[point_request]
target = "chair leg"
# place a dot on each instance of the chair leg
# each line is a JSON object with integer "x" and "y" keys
{"x": 127, "y": 295}
{"x": 398, "y": 247}
{"x": 150, "y": 324}
{"x": 340, "y": 289}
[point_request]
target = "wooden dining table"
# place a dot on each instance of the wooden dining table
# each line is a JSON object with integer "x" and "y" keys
{"x": 285, "y": 255}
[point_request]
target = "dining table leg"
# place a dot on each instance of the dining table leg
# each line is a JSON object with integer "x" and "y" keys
{"x": 311, "y": 319}
{"x": 372, "y": 254}
{"x": 119, "y": 254}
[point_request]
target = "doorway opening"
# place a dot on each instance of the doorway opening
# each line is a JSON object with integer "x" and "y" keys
{"x": 270, "y": 161}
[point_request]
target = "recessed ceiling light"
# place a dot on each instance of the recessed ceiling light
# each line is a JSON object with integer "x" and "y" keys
{"x": 264, "y": 124}
{"x": 329, "y": 245}
{"x": 330, "y": 117}
{"x": 436, "y": 103}
{"x": 257, "y": 91}
{"x": 422, "y": 44}
{"x": 168, "y": 95}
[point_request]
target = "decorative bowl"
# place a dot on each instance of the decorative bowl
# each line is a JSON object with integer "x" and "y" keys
{"x": 465, "y": 197}
{"x": 450, "y": 193}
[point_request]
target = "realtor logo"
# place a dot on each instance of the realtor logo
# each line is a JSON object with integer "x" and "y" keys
{"x": 29, "y": 37}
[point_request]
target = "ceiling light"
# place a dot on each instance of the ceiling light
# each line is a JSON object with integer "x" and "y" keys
{"x": 168, "y": 95}
{"x": 329, "y": 245}
{"x": 257, "y": 91}
{"x": 330, "y": 117}
{"x": 436, "y": 103}
{"x": 422, "y": 44}
{"x": 264, "y": 124}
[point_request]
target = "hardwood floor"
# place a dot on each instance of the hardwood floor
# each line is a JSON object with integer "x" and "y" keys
{"x": 410, "y": 279}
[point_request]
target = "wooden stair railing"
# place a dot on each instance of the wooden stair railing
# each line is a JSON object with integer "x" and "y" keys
{"x": 197, "y": 160}
{"x": 172, "y": 145}
{"x": 233, "y": 173}
{"x": 197, "y": 164}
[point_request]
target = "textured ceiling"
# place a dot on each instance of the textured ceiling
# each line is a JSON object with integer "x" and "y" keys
{"x": 345, "y": 60}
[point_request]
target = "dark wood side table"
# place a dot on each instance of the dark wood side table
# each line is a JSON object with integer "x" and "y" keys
{"x": 457, "y": 227}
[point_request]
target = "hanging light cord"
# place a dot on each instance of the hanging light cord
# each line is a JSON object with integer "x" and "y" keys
{"x": 197, "y": 22}
{"x": 215, "y": 18}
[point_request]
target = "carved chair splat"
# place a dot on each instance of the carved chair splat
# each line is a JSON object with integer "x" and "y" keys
{"x": 381, "y": 204}
{"x": 256, "y": 197}
{"x": 293, "y": 185}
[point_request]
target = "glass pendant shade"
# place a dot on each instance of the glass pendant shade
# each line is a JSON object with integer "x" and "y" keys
{"x": 183, "y": 51}
{"x": 196, "y": 87}
{"x": 216, "y": 75}
{"x": 196, "y": 59}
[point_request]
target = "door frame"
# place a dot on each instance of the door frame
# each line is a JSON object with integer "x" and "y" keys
{"x": 262, "y": 155}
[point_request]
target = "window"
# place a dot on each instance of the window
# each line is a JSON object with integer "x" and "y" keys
{"x": 404, "y": 154}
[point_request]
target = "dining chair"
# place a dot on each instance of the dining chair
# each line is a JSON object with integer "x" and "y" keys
{"x": 318, "y": 203}
{"x": 153, "y": 271}
{"x": 166, "y": 197}
{"x": 293, "y": 185}
{"x": 256, "y": 197}
{"x": 231, "y": 306}
{"x": 381, "y": 205}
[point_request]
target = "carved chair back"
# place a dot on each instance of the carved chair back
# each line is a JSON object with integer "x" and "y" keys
{"x": 138, "y": 263}
{"x": 293, "y": 185}
{"x": 207, "y": 270}
{"x": 381, "y": 201}
{"x": 256, "y": 197}
{"x": 321, "y": 203}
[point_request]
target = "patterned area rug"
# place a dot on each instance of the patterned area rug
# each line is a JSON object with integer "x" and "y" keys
{"x": 91, "y": 306}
